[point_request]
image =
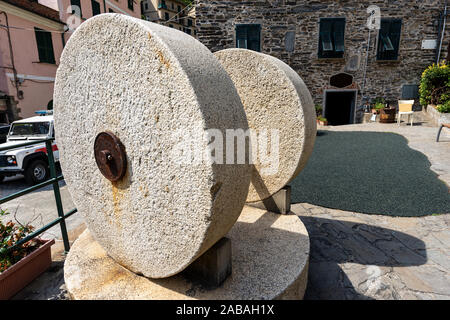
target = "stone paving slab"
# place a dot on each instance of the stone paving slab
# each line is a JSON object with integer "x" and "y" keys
{"x": 359, "y": 256}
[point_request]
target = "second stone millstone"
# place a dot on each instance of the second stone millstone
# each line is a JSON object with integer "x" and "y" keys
{"x": 135, "y": 103}
{"x": 281, "y": 116}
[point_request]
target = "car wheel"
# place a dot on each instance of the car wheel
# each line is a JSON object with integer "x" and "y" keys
{"x": 37, "y": 172}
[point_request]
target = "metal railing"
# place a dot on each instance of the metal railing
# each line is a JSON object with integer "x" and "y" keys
{"x": 54, "y": 180}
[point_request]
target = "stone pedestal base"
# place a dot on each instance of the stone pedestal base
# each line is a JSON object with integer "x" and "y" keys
{"x": 270, "y": 255}
{"x": 213, "y": 267}
{"x": 280, "y": 202}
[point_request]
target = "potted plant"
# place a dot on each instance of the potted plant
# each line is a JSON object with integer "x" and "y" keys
{"x": 322, "y": 121}
{"x": 387, "y": 114}
{"x": 378, "y": 105}
{"x": 21, "y": 264}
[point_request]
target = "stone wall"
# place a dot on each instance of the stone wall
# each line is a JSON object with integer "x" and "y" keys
{"x": 216, "y": 22}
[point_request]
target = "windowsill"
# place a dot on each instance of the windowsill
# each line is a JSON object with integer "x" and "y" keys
{"x": 49, "y": 63}
{"x": 388, "y": 61}
{"x": 330, "y": 59}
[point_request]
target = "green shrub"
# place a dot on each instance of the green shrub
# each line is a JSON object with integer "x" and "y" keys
{"x": 444, "y": 108}
{"x": 435, "y": 85}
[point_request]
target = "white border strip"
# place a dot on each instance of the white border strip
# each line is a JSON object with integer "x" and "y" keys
{"x": 30, "y": 77}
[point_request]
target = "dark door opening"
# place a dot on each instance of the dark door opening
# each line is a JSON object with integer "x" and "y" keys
{"x": 340, "y": 107}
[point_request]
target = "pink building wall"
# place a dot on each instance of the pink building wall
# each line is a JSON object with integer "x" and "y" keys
{"x": 36, "y": 78}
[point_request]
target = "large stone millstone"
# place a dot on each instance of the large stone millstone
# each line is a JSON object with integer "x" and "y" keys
{"x": 143, "y": 83}
{"x": 274, "y": 97}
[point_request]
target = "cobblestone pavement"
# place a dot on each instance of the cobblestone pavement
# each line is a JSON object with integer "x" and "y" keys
{"x": 354, "y": 255}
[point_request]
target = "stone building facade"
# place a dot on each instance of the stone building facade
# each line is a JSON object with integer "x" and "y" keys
{"x": 326, "y": 43}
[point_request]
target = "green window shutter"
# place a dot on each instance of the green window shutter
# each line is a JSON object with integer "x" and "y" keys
{"x": 248, "y": 37}
{"x": 44, "y": 45}
{"x": 389, "y": 39}
{"x": 95, "y": 8}
{"x": 254, "y": 38}
{"x": 331, "y": 38}
{"x": 338, "y": 33}
{"x": 78, "y": 4}
{"x": 325, "y": 35}
{"x": 241, "y": 37}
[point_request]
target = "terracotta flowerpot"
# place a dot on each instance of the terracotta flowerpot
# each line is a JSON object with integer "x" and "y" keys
{"x": 323, "y": 123}
{"x": 26, "y": 270}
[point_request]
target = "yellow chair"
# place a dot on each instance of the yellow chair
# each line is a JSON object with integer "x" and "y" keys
{"x": 405, "y": 107}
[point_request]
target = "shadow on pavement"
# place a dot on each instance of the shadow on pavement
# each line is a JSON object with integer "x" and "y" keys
{"x": 334, "y": 242}
{"x": 370, "y": 172}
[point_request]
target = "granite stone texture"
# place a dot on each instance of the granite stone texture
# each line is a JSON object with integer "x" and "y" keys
{"x": 269, "y": 261}
{"x": 153, "y": 87}
{"x": 277, "y": 103}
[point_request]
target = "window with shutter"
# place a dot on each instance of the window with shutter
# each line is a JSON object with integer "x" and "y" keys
{"x": 389, "y": 39}
{"x": 248, "y": 36}
{"x": 331, "y": 38}
{"x": 95, "y": 8}
{"x": 44, "y": 45}
{"x": 131, "y": 5}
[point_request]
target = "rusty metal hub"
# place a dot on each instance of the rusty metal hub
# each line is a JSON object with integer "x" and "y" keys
{"x": 110, "y": 156}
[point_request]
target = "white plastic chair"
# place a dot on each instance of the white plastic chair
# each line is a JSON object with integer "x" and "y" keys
{"x": 405, "y": 107}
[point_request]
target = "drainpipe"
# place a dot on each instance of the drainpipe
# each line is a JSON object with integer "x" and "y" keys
{"x": 365, "y": 68}
{"x": 16, "y": 80}
{"x": 104, "y": 5}
{"x": 442, "y": 32}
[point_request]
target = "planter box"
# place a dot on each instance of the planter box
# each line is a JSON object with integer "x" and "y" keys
{"x": 387, "y": 115}
{"x": 436, "y": 116}
{"x": 26, "y": 270}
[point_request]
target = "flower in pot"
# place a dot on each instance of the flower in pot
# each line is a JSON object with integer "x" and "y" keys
{"x": 20, "y": 264}
{"x": 377, "y": 107}
{"x": 322, "y": 121}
